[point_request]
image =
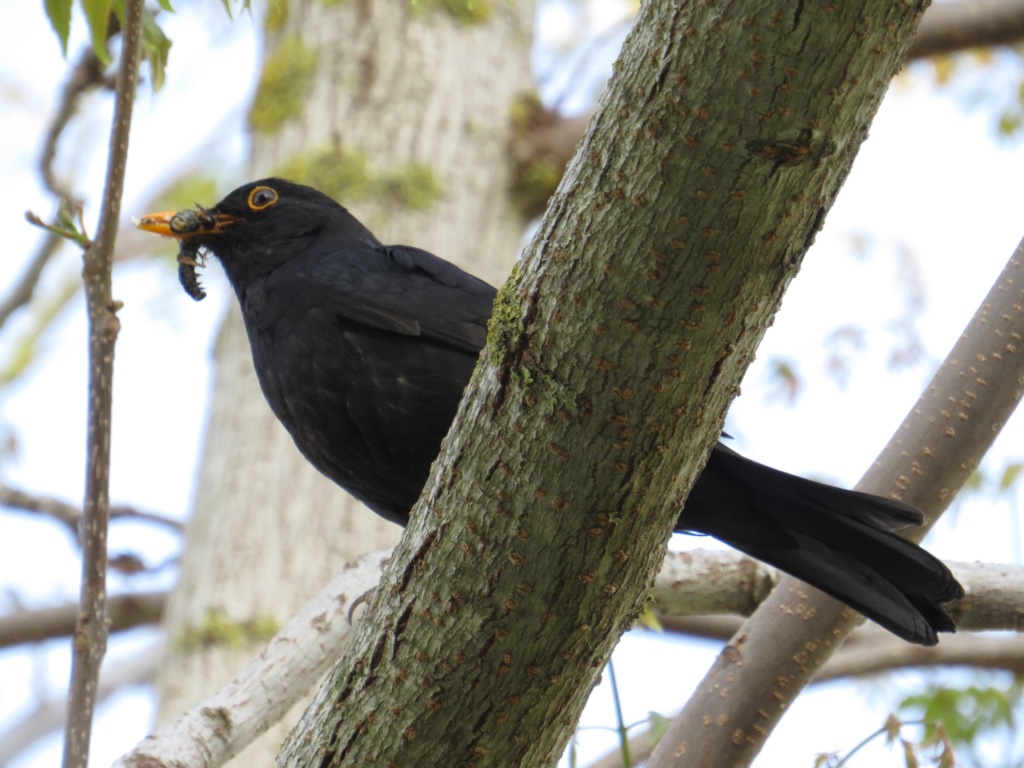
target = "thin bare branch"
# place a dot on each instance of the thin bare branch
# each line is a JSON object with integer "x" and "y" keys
{"x": 884, "y": 653}
{"x": 951, "y": 27}
{"x": 90, "y": 640}
{"x": 24, "y": 287}
{"x": 71, "y": 516}
{"x": 87, "y": 74}
{"x": 125, "y": 612}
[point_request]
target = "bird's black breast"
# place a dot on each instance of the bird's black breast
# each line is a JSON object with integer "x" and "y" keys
{"x": 367, "y": 405}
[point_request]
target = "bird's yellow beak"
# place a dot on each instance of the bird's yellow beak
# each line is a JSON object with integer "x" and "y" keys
{"x": 184, "y": 224}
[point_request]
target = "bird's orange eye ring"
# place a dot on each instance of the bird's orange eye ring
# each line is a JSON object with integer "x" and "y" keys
{"x": 262, "y": 198}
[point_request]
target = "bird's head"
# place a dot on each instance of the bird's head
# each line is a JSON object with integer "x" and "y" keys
{"x": 255, "y": 229}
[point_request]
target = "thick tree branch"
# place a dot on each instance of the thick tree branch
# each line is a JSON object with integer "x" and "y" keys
{"x": 90, "y": 641}
{"x": 791, "y": 636}
{"x": 689, "y": 584}
{"x": 220, "y": 727}
{"x": 707, "y": 583}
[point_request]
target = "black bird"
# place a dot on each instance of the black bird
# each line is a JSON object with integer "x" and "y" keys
{"x": 363, "y": 351}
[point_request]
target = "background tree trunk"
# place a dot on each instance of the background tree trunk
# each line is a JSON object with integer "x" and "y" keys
{"x": 406, "y": 116}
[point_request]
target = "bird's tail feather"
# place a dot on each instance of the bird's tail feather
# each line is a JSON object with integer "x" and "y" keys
{"x": 839, "y": 541}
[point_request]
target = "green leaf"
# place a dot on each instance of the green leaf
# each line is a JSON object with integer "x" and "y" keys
{"x": 156, "y": 47}
{"x": 965, "y": 714}
{"x": 975, "y": 481}
{"x": 1010, "y": 474}
{"x": 59, "y": 14}
{"x": 658, "y": 729}
{"x": 165, "y": 5}
{"x": 97, "y": 14}
{"x": 246, "y": 5}
{"x": 649, "y": 619}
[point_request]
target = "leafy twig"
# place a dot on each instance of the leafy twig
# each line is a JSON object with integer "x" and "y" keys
{"x": 66, "y": 227}
{"x": 90, "y": 640}
{"x": 86, "y": 75}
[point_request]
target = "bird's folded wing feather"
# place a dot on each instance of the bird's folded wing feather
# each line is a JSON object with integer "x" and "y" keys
{"x": 411, "y": 292}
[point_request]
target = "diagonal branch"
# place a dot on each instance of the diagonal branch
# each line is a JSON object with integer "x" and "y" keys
{"x": 794, "y": 632}
{"x": 882, "y": 653}
{"x": 222, "y": 725}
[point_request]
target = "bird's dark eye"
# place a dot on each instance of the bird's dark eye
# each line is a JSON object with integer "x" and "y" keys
{"x": 262, "y": 197}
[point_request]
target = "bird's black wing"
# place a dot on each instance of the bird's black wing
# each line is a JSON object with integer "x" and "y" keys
{"x": 411, "y": 292}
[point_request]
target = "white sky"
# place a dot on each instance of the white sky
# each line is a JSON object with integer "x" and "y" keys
{"x": 932, "y": 181}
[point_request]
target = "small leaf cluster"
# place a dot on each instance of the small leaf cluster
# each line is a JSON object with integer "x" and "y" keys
{"x": 104, "y": 19}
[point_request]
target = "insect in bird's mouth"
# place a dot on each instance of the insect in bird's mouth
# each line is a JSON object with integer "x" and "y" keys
{"x": 189, "y": 258}
{"x": 192, "y": 220}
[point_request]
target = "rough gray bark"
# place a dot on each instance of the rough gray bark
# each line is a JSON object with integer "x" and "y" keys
{"x": 715, "y": 152}
{"x": 397, "y": 86}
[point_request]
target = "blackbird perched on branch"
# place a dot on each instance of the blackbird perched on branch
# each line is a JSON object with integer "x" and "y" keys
{"x": 363, "y": 351}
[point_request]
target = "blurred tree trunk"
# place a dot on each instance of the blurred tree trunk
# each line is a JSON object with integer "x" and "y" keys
{"x": 716, "y": 150}
{"x": 405, "y": 115}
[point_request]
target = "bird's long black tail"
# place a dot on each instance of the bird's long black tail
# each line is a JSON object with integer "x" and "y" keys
{"x": 837, "y": 540}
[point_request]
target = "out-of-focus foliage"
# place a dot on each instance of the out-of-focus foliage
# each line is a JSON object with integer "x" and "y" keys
{"x": 973, "y": 71}
{"x": 974, "y": 720}
{"x": 104, "y": 19}
{"x": 935, "y": 749}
